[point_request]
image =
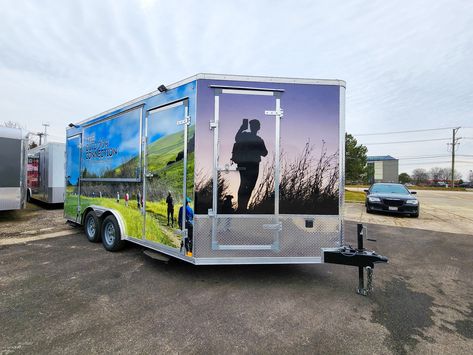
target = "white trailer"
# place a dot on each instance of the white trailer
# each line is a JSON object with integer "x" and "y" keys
{"x": 45, "y": 175}
{"x": 12, "y": 168}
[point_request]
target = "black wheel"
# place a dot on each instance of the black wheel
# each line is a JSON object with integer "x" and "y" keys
{"x": 415, "y": 215}
{"x": 28, "y": 196}
{"x": 368, "y": 209}
{"x": 92, "y": 227}
{"x": 111, "y": 236}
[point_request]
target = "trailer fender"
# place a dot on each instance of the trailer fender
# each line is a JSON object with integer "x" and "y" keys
{"x": 103, "y": 212}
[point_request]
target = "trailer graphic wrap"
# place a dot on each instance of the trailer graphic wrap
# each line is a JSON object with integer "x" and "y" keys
{"x": 165, "y": 168}
{"x": 214, "y": 169}
{"x": 111, "y": 148}
{"x": 308, "y": 148}
{"x": 71, "y": 198}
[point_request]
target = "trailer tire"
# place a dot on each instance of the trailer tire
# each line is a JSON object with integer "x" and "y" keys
{"x": 92, "y": 227}
{"x": 111, "y": 235}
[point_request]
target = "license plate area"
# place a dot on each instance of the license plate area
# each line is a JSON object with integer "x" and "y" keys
{"x": 391, "y": 208}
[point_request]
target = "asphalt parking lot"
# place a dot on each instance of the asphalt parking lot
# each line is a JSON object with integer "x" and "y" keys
{"x": 442, "y": 211}
{"x": 64, "y": 294}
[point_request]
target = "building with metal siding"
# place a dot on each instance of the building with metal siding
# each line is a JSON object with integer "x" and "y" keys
{"x": 383, "y": 168}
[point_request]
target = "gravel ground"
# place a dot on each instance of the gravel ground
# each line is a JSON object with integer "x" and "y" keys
{"x": 32, "y": 221}
{"x": 66, "y": 295}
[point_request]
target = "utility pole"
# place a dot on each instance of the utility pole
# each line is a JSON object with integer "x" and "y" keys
{"x": 40, "y": 135}
{"x": 454, "y": 143}
{"x": 46, "y": 125}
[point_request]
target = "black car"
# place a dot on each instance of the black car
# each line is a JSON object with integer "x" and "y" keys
{"x": 395, "y": 198}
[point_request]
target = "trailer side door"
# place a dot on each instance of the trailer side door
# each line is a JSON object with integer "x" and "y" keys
{"x": 72, "y": 191}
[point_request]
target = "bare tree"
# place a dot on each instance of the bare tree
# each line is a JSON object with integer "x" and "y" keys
{"x": 435, "y": 173}
{"x": 443, "y": 174}
{"x": 420, "y": 176}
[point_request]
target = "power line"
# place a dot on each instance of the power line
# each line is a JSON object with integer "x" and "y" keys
{"x": 426, "y": 157}
{"x": 437, "y": 162}
{"x": 398, "y": 132}
{"x": 413, "y": 141}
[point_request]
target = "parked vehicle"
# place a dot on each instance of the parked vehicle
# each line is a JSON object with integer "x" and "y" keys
{"x": 13, "y": 142}
{"x": 207, "y": 170}
{"x": 45, "y": 177}
{"x": 392, "y": 198}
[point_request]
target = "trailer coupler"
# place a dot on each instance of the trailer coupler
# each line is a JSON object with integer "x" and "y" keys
{"x": 360, "y": 257}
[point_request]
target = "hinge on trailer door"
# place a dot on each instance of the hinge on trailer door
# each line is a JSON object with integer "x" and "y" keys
{"x": 227, "y": 168}
{"x": 279, "y": 113}
{"x": 213, "y": 125}
{"x": 185, "y": 121}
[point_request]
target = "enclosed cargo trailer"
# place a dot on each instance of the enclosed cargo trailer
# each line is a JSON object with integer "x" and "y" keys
{"x": 216, "y": 169}
{"x": 45, "y": 177}
{"x": 256, "y": 157}
{"x": 13, "y": 142}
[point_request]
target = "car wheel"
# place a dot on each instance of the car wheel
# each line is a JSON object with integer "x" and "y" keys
{"x": 111, "y": 236}
{"x": 368, "y": 209}
{"x": 415, "y": 215}
{"x": 92, "y": 227}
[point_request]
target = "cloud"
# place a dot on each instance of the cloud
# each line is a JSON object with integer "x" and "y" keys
{"x": 405, "y": 66}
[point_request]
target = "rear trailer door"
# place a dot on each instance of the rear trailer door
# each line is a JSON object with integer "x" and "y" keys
{"x": 246, "y": 171}
{"x": 169, "y": 161}
{"x": 72, "y": 191}
{"x": 267, "y": 171}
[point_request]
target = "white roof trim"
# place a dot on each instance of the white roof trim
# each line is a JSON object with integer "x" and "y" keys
{"x": 264, "y": 79}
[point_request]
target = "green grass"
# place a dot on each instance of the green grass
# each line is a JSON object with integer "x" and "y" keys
{"x": 355, "y": 196}
{"x": 165, "y": 149}
{"x": 436, "y": 188}
{"x": 70, "y": 203}
{"x": 156, "y": 228}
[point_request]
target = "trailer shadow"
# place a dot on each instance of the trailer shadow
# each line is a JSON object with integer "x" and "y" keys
{"x": 46, "y": 206}
{"x": 286, "y": 275}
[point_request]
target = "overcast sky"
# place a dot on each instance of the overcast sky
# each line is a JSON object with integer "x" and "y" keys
{"x": 407, "y": 64}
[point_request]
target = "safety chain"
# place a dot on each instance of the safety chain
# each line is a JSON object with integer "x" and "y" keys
{"x": 369, "y": 279}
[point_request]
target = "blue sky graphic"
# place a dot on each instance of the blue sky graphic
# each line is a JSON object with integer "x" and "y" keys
{"x": 72, "y": 167}
{"x": 121, "y": 133}
{"x": 163, "y": 123}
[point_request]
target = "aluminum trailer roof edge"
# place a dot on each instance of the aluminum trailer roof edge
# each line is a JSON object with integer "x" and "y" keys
{"x": 269, "y": 79}
{"x": 12, "y": 133}
{"x": 43, "y": 146}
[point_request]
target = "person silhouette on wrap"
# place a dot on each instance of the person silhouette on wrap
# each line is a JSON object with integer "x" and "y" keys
{"x": 247, "y": 152}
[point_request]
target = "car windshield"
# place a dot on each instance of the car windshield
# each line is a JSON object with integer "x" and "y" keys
{"x": 389, "y": 189}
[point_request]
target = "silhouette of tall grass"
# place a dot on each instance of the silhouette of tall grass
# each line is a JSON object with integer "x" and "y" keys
{"x": 308, "y": 185}
{"x": 204, "y": 192}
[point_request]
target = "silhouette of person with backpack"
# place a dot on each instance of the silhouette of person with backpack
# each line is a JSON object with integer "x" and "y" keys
{"x": 247, "y": 152}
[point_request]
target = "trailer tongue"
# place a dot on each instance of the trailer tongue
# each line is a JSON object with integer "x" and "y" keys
{"x": 360, "y": 257}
